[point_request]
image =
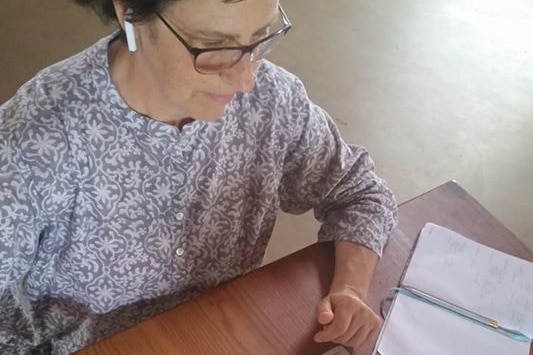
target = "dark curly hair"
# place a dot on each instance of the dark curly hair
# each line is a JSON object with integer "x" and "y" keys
{"x": 142, "y": 9}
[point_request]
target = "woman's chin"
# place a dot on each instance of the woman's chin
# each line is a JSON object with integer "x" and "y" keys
{"x": 210, "y": 111}
{"x": 205, "y": 116}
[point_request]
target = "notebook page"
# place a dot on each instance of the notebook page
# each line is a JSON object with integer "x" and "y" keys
{"x": 471, "y": 275}
{"x": 474, "y": 276}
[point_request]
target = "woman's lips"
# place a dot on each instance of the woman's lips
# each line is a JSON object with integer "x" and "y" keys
{"x": 223, "y": 99}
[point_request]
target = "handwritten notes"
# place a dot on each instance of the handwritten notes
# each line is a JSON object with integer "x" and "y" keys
{"x": 471, "y": 275}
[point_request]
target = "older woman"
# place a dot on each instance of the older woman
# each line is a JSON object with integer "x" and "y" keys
{"x": 150, "y": 167}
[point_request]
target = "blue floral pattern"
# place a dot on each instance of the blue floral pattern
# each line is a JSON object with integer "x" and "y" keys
{"x": 108, "y": 217}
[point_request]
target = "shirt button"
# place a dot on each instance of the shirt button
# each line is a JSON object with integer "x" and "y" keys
{"x": 180, "y": 251}
{"x": 180, "y": 216}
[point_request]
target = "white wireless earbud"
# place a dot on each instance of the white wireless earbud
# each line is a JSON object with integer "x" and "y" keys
{"x": 130, "y": 33}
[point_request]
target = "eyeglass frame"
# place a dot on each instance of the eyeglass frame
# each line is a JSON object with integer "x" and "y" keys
{"x": 195, "y": 51}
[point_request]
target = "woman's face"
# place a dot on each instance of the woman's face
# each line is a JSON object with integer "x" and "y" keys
{"x": 202, "y": 24}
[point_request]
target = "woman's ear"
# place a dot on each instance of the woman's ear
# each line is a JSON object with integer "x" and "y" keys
{"x": 120, "y": 11}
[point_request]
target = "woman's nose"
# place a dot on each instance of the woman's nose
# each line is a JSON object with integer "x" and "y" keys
{"x": 241, "y": 75}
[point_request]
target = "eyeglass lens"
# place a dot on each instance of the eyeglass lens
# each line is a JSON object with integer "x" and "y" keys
{"x": 216, "y": 61}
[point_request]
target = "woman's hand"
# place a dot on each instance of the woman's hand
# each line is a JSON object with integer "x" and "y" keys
{"x": 347, "y": 320}
{"x": 345, "y": 317}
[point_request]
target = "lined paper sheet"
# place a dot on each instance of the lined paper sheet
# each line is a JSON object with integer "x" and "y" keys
{"x": 471, "y": 275}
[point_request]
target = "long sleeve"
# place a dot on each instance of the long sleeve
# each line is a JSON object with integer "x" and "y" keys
{"x": 19, "y": 236}
{"x": 336, "y": 179}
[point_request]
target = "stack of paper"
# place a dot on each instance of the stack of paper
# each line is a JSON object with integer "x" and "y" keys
{"x": 464, "y": 273}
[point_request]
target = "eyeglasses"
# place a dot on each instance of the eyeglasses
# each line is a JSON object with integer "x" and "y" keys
{"x": 216, "y": 60}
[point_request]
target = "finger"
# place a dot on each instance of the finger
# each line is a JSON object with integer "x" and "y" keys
{"x": 373, "y": 335}
{"x": 359, "y": 337}
{"x": 367, "y": 345}
{"x": 366, "y": 335}
{"x": 339, "y": 325}
{"x": 362, "y": 325}
{"x": 324, "y": 312}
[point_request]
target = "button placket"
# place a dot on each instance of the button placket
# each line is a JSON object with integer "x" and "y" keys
{"x": 179, "y": 217}
{"x": 175, "y": 152}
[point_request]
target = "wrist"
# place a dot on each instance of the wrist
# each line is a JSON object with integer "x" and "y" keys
{"x": 354, "y": 266}
{"x": 353, "y": 290}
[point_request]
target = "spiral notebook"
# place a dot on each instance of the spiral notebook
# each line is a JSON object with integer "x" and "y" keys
{"x": 460, "y": 297}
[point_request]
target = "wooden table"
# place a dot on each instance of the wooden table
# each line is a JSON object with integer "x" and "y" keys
{"x": 271, "y": 311}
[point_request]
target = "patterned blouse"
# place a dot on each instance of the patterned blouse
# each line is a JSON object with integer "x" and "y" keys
{"x": 108, "y": 217}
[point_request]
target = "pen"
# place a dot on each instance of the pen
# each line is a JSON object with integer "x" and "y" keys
{"x": 463, "y": 312}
